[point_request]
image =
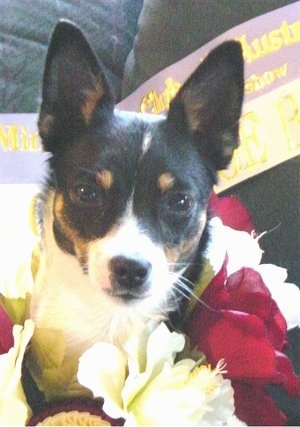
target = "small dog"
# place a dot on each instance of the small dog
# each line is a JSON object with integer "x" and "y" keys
{"x": 124, "y": 211}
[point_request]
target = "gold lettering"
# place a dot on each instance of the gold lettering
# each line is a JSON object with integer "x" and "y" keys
{"x": 287, "y": 32}
{"x": 286, "y": 35}
{"x": 255, "y": 150}
{"x": 23, "y": 139}
{"x": 257, "y": 82}
{"x": 281, "y": 71}
{"x": 276, "y": 40}
{"x": 288, "y": 108}
{"x": 156, "y": 103}
{"x": 18, "y": 138}
{"x": 9, "y": 137}
{"x": 261, "y": 47}
{"x": 159, "y": 103}
{"x": 171, "y": 90}
{"x": 252, "y": 150}
{"x": 35, "y": 144}
{"x": 296, "y": 30}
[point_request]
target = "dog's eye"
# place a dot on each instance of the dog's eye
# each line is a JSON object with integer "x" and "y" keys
{"x": 179, "y": 203}
{"x": 86, "y": 193}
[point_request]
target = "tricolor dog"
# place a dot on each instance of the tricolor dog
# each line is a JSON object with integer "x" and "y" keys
{"x": 124, "y": 209}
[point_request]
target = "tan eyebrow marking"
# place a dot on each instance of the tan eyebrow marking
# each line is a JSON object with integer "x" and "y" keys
{"x": 105, "y": 178}
{"x": 165, "y": 181}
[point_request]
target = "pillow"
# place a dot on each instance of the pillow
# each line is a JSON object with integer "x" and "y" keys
{"x": 26, "y": 27}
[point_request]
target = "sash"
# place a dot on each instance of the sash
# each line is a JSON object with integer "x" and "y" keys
{"x": 270, "y": 123}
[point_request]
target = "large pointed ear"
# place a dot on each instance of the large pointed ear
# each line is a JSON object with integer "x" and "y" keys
{"x": 209, "y": 103}
{"x": 74, "y": 85}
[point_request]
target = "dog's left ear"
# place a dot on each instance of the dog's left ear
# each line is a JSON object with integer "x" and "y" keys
{"x": 74, "y": 85}
{"x": 209, "y": 104}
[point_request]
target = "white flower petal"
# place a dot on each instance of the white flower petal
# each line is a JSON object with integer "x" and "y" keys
{"x": 15, "y": 273}
{"x": 242, "y": 249}
{"x": 184, "y": 394}
{"x": 286, "y": 295}
{"x": 162, "y": 347}
{"x": 216, "y": 248}
{"x": 13, "y": 412}
{"x": 102, "y": 369}
{"x": 11, "y": 391}
{"x": 158, "y": 391}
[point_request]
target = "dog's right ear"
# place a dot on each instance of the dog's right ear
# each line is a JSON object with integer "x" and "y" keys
{"x": 74, "y": 85}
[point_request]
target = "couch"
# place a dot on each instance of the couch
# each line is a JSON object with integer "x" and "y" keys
{"x": 135, "y": 39}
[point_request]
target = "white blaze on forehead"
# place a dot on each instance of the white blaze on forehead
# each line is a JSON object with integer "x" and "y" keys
{"x": 146, "y": 142}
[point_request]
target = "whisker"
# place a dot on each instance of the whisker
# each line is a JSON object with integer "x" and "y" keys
{"x": 181, "y": 286}
{"x": 184, "y": 264}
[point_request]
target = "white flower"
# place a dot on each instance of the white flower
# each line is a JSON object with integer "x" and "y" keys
{"x": 156, "y": 390}
{"x": 185, "y": 394}
{"x": 13, "y": 407}
{"x": 18, "y": 238}
{"x": 17, "y": 280}
{"x": 241, "y": 248}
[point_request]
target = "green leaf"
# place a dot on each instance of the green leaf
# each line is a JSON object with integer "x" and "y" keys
{"x": 15, "y": 308}
{"x": 54, "y": 372}
{"x": 49, "y": 347}
{"x": 205, "y": 278}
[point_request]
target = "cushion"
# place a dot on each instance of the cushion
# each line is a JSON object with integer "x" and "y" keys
{"x": 26, "y": 27}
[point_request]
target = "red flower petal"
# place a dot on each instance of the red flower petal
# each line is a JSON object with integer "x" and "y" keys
{"x": 237, "y": 337}
{"x": 242, "y": 340}
{"x": 245, "y": 291}
{"x": 232, "y": 212}
{"x": 6, "y": 336}
{"x": 255, "y": 407}
{"x": 286, "y": 376}
{"x": 248, "y": 293}
{"x": 276, "y": 327}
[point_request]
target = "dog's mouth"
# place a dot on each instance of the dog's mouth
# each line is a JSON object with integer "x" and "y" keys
{"x": 126, "y": 295}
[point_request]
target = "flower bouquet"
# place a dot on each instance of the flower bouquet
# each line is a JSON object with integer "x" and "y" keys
{"x": 217, "y": 370}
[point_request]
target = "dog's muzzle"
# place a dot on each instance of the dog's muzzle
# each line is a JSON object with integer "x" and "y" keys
{"x": 129, "y": 277}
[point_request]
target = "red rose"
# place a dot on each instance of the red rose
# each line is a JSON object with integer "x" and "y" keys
{"x": 243, "y": 325}
{"x": 6, "y": 336}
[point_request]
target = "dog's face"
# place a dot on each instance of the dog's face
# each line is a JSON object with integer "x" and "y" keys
{"x": 128, "y": 193}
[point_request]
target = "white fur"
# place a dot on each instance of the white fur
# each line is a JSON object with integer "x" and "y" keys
{"x": 146, "y": 143}
{"x": 78, "y": 304}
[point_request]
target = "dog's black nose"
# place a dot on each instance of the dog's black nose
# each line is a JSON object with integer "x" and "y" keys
{"x": 129, "y": 273}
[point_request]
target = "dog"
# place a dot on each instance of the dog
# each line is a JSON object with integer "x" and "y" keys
{"x": 125, "y": 206}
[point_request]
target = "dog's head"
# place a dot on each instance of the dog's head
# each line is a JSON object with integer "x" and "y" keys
{"x": 128, "y": 193}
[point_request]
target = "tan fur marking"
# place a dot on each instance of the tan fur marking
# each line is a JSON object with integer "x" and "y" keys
{"x": 46, "y": 125}
{"x": 194, "y": 110}
{"x": 92, "y": 98}
{"x": 165, "y": 182}
{"x": 80, "y": 244}
{"x": 105, "y": 178}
